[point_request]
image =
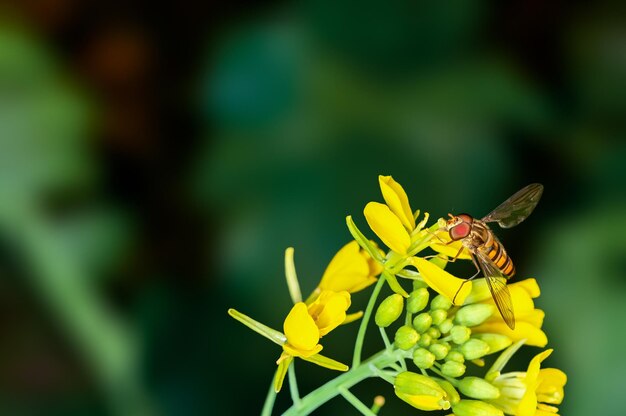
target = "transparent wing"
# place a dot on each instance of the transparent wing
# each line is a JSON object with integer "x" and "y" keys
{"x": 515, "y": 209}
{"x": 497, "y": 286}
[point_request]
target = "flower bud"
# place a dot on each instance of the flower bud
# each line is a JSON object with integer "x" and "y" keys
{"x": 420, "y": 391}
{"x": 434, "y": 332}
{"x": 423, "y": 358}
{"x": 425, "y": 340}
{"x": 418, "y": 284}
{"x": 417, "y": 301}
{"x": 441, "y": 302}
{"x": 439, "y": 350}
{"x": 406, "y": 337}
{"x": 422, "y": 322}
{"x": 438, "y": 315}
{"x": 446, "y": 326}
{"x": 389, "y": 310}
{"x": 451, "y": 394}
{"x": 475, "y": 408}
{"x": 496, "y": 342}
{"x": 477, "y": 388}
{"x": 475, "y": 314}
{"x": 453, "y": 369}
{"x": 455, "y": 356}
{"x": 474, "y": 348}
{"x": 460, "y": 334}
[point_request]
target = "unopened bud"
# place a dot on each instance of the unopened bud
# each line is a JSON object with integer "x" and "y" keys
{"x": 406, "y": 337}
{"x": 439, "y": 350}
{"x": 455, "y": 356}
{"x": 460, "y": 334}
{"x": 496, "y": 342}
{"x": 446, "y": 326}
{"x": 423, "y": 358}
{"x": 422, "y": 322}
{"x": 475, "y": 408}
{"x": 434, "y": 332}
{"x": 420, "y": 391}
{"x": 475, "y": 314}
{"x": 451, "y": 394}
{"x": 441, "y": 302}
{"x": 425, "y": 340}
{"x": 389, "y": 310}
{"x": 438, "y": 315}
{"x": 477, "y": 388}
{"x": 417, "y": 301}
{"x": 474, "y": 348}
{"x": 453, "y": 369}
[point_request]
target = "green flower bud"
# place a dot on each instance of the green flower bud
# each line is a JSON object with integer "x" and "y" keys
{"x": 441, "y": 302}
{"x": 439, "y": 350}
{"x": 422, "y": 322}
{"x": 477, "y": 388}
{"x": 434, "y": 332}
{"x": 460, "y": 334}
{"x": 425, "y": 340}
{"x": 475, "y": 314}
{"x": 438, "y": 315}
{"x": 406, "y": 337}
{"x": 475, "y": 408}
{"x": 474, "y": 348}
{"x": 446, "y": 326}
{"x": 418, "y": 284}
{"x": 417, "y": 301}
{"x": 389, "y": 310}
{"x": 451, "y": 393}
{"x": 420, "y": 391}
{"x": 423, "y": 358}
{"x": 455, "y": 356}
{"x": 496, "y": 342}
{"x": 453, "y": 369}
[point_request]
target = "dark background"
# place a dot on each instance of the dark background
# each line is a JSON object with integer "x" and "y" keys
{"x": 155, "y": 162}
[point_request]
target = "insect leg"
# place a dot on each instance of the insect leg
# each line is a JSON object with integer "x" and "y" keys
{"x": 467, "y": 280}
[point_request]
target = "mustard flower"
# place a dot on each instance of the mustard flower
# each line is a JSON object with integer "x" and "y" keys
{"x": 351, "y": 269}
{"x": 531, "y": 393}
{"x": 528, "y": 319}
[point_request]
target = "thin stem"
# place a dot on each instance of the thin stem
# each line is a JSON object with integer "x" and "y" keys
{"x": 354, "y": 401}
{"x": 293, "y": 385}
{"x": 358, "y": 346}
{"x": 322, "y": 394}
{"x": 383, "y": 335}
{"x": 269, "y": 401}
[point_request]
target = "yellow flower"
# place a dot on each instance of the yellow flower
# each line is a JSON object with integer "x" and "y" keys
{"x": 528, "y": 319}
{"x": 352, "y": 270}
{"x": 392, "y": 222}
{"x": 304, "y": 326}
{"x": 531, "y": 393}
{"x": 442, "y": 282}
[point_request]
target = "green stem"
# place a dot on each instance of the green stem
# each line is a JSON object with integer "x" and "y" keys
{"x": 293, "y": 385}
{"x": 385, "y": 338}
{"x": 269, "y": 400}
{"x": 321, "y": 395}
{"x": 358, "y": 346}
{"x": 354, "y": 401}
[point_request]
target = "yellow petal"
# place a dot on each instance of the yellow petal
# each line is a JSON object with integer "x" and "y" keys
{"x": 300, "y": 329}
{"x": 387, "y": 227}
{"x": 550, "y": 378}
{"x": 297, "y": 352}
{"x": 530, "y": 286}
{"x": 534, "y": 318}
{"x": 352, "y": 317}
{"x": 451, "y": 249}
{"x": 334, "y": 311}
{"x": 398, "y": 202}
{"x": 422, "y": 402}
{"x": 528, "y": 404}
{"x": 350, "y": 270}
{"x": 522, "y": 303}
{"x": 523, "y": 330}
{"x": 443, "y": 282}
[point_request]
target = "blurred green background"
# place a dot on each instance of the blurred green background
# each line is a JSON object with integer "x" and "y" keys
{"x": 155, "y": 162}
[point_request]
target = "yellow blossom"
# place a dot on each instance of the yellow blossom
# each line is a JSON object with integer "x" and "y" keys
{"x": 442, "y": 282}
{"x": 531, "y": 393}
{"x": 392, "y": 222}
{"x": 528, "y": 319}
{"x": 351, "y": 269}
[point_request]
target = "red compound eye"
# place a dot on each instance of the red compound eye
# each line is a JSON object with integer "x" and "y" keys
{"x": 460, "y": 231}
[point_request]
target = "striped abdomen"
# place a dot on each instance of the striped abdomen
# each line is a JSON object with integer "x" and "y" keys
{"x": 501, "y": 259}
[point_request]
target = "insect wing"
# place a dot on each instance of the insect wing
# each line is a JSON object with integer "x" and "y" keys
{"x": 497, "y": 286}
{"x": 515, "y": 209}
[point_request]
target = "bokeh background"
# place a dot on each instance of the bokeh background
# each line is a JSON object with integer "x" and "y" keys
{"x": 156, "y": 160}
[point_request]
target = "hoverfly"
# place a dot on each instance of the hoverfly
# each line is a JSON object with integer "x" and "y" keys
{"x": 487, "y": 252}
